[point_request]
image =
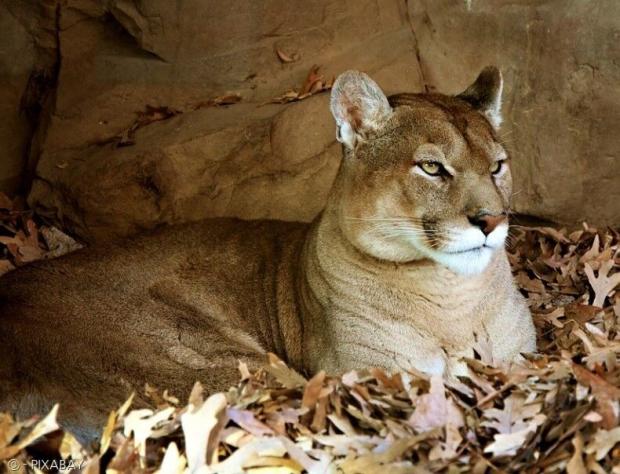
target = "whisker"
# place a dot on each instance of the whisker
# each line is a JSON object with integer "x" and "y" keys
{"x": 395, "y": 232}
{"x": 403, "y": 227}
{"x": 399, "y": 225}
{"x": 404, "y": 232}
{"x": 385, "y": 219}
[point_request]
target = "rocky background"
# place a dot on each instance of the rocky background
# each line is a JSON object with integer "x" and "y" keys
{"x": 119, "y": 115}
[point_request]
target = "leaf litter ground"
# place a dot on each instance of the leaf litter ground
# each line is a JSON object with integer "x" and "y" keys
{"x": 556, "y": 412}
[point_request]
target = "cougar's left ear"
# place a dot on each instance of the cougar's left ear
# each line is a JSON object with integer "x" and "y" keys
{"x": 358, "y": 105}
{"x": 485, "y": 94}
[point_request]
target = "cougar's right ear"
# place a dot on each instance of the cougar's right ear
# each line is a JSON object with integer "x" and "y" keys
{"x": 485, "y": 94}
{"x": 358, "y": 105}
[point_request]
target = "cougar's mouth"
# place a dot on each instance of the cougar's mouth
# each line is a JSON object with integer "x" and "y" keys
{"x": 466, "y": 262}
{"x": 468, "y": 251}
{"x": 472, "y": 249}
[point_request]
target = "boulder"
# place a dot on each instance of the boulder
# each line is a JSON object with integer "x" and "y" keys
{"x": 251, "y": 159}
{"x": 242, "y": 161}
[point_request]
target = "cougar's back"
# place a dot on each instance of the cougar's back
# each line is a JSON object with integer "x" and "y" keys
{"x": 170, "y": 307}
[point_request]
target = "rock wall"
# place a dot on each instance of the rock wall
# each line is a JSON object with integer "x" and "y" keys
{"x": 130, "y": 137}
{"x": 561, "y": 63}
{"x": 14, "y": 72}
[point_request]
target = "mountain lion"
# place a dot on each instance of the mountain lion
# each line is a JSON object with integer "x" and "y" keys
{"x": 405, "y": 267}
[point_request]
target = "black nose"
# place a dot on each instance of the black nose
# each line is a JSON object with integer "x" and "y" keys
{"x": 486, "y": 222}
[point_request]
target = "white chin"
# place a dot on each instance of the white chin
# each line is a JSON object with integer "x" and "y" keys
{"x": 471, "y": 262}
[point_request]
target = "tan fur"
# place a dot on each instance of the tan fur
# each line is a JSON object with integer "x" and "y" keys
{"x": 185, "y": 303}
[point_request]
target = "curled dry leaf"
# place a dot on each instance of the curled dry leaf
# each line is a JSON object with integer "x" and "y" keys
{"x": 149, "y": 115}
{"x": 286, "y": 58}
{"x": 313, "y": 84}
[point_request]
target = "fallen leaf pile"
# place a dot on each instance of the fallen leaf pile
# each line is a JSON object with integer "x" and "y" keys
{"x": 557, "y": 412}
{"x": 313, "y": 84}
{"x": 23, "y": 241}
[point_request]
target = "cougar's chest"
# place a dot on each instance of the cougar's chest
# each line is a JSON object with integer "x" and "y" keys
{"x": 396, "y": 318}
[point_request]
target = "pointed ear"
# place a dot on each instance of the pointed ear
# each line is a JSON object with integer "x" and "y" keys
{"x": 358, "y": 105}
{"x": 485, "y": 94}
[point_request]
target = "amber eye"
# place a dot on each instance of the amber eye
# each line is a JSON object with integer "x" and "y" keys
{"x": 497, "y": 167}
{"x": 431, "y": 168}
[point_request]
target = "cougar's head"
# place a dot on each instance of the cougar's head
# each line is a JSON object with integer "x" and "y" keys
{"x": 424, "y": 176}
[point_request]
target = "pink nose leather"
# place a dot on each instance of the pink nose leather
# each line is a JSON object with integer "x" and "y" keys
{"x": 487, "y": 222}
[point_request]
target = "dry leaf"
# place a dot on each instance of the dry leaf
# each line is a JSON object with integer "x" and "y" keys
{"x": 603, "y": 442}
{"x": 313, "y": 84}
{"x": 286, "y": 58}
{"x": 243, "y": 370}
{"x": 313, "y": 390}
{"x": 5, "y": 202}
{"x": 143, "y": 423}
{"x": 45, "y": 426}
{"x": 576, "y": 465}
{"x": 9, "y": 429}
{"x": 509, "y": 444}
{"x": 606, "y": 394}
{"x": 197, "y": 423}
{"x": 173, "y": 462}
{"x": 285, "y": 375}
{"x": 434, "y": 410}
{"x": 58, "y": 243}
{"x": 603, "y": 283}
{"x": 514, "y": 423}
{"x": 246, "y": 420}
{"x": 5, "y": 266}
